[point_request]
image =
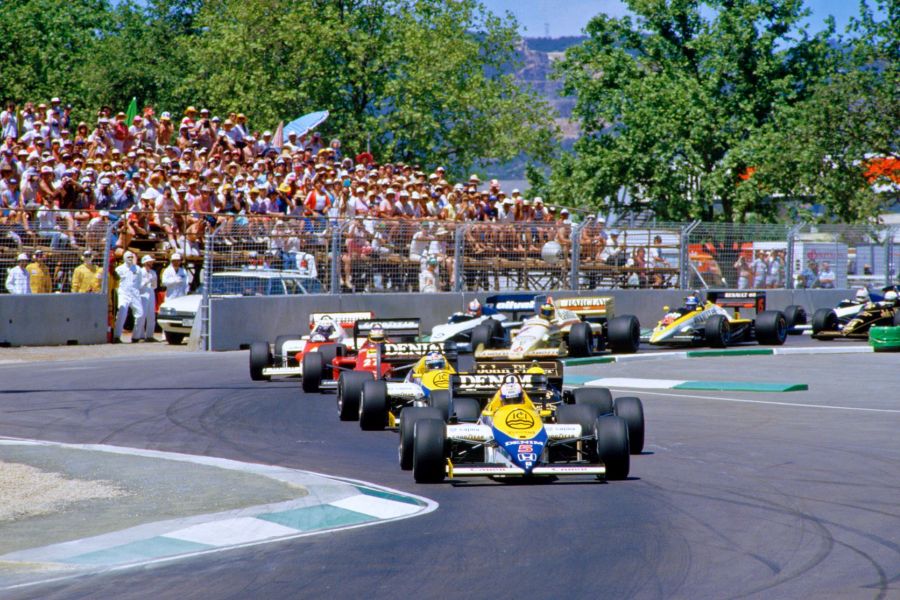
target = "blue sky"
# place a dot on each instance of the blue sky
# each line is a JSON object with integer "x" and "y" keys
{"x": 568, "y": 17}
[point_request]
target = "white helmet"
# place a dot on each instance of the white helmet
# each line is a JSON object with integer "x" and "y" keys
{"x": 862, "y": 295}
{"x": 511, "y": 393}
{"x": 890, "y": 296}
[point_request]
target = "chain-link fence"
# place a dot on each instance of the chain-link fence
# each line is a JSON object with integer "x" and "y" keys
{"x": 840, "y": 256}
{"x": 44, "y": 251}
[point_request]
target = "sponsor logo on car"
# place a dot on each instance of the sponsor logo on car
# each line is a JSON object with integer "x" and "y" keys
{"x": 528, "y": 457}
{"x": 519, "y": 419}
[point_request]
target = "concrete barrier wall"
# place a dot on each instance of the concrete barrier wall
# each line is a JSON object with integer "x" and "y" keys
{"x": 52, "y": 319}
{"x": 236, "y": 322}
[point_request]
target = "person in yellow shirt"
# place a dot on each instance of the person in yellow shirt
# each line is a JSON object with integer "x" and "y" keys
{"x": 87, "y": 276}
{"x": 41, "y": 283}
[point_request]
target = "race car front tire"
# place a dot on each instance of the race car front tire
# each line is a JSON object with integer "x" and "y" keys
{"x": 624, "y": 334}
{"x": 613, "y": 446}
{"x": 824, "y": 319}
{"x": 329, "y": 352}
{"x": 260, "y": 358}
{"x": 581, "y": 340}
{"x": 717, "y": 331}
{"x": 349, "y": 388}
{"x": 632, "y": 410}
{"x": 279, "y": 346}
{"x": 482, "y": 335}
{"x": 408, "y": 418}
{"x": 771, "y": 328}
{"x": 795, "y": 315}
{"x": 599, "y": 398}
{"x": 467, "y": 410}
{"x": 429, "y": 459}
{"x": 373, "y": 406}
{"x": 313, "y": 372}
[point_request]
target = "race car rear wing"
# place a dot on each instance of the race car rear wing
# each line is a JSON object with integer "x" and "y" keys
{"x": 484, "y": 386}
{"x": 395, "y": 329}
{"x": 410, "y": 351}
{"x": 344, "y": 319}
{"x": 738, "y": 299}
{"x": 553, "y": 369}
{"x": 592, "y": 307}
{"x": 513, "y": 304}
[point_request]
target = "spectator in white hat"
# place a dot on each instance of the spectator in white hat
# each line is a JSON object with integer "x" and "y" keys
{"x": 149, "y": 283}
{"x": 18, "y": 281}
{"x": 129, "y": 293}
{"x": 175, "y": 278}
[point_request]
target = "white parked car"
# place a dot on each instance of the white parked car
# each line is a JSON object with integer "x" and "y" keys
{"x": 176, "y": 316}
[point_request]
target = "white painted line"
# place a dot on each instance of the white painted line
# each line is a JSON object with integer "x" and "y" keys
{"x": 380, "y": 508}
{"x": 228, "y": 532}
{"x": 791, "y": 404}
{"x": 624, "y": 358}
{"x": 644, "y": 384}
{"x": 837, "y": 349}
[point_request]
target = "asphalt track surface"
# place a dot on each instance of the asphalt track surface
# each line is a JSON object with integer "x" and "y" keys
{"x": 738, "y": 495}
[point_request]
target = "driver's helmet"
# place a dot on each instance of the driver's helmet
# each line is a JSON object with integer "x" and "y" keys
{"x": 890, "y": 296}
{"x": 435, "y": 360}
{"x": 474, "y": 308}
{"x": 862, "y": 295}
{"x": 325, "y": 329}
{"x": 317, "y": 337}
{"x": 691, "y": 302}
{"x": 548, "y": 311}
{"x": 511, "y": 393}
{"x": 376, "y": 334}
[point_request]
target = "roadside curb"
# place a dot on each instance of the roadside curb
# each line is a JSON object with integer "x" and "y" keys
{"x": 684, "y": 354}
{"x": 679, "y": 384}
{"x": 332, "y": 504}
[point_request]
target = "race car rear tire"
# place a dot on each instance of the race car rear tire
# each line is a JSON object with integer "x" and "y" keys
{"x": 279, "y": 345}
{"x": 440, "y": 399}
{"x": 771, "y": 328}
{"x": 613, "y": 446}
{"x": 329, "y": 352}
{"x": 581, "y": 340}
{"x": 632, "y": 410}
{"x": 795, "y": 315}
{"x": 824, "y": 319}
{"x": 600, "y": 398}
{"x": 897, "y": 317}
{"x": 467, "y": 410}
{"x": 408, "y": 418}
{"x": 429, "y": 460}
{"x": 174, "y": 338}
{"x": 717, "y": 331}
{"x": 575, "y": 414}
{"x": 624, "y": 334}
{"x": 349, "y": 388}
{"x": 313, "y": 372}
{"x": 260, "y": 358}
{"x": 482, "y": 335}
{"x": 373, "y": 406}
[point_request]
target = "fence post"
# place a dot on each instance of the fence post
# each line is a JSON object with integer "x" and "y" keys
{"x": 336, "y": 258}
{"x": 889, "y": 266}
{"x": 576, "y": 253}
{"x": 107, "y": 245}
{"x": 789, "y": 257}
{"x": 459, "y": 233}
{"x": 684, "y": 267}
{"x": 208, "y": 250}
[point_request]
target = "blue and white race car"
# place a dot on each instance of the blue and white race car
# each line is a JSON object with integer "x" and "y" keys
{"x": 502, "y": 312}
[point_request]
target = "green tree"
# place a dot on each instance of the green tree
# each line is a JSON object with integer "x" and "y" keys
{"x": 820, "y": 149}
{"x": 421, "y": 80}
{"x": 668, "y": 100}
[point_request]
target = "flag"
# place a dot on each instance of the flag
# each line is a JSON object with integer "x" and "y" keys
{"x": 131, "y": 113}
{"x": 278, "y": 138}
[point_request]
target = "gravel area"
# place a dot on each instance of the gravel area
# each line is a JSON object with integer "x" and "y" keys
{"x": 25, "y": 354}
{"x": 28, "y": 492}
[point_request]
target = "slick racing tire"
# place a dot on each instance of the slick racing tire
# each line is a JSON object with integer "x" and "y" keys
{"x": 581, "y": 340}
{"x": 467, "y": 410}
{"x": 717, "y": 331}
{"x": 173, "y": 338}
{"x": 313, "y": 372}
{"x": 260, "y": 358}
{"x": 440, "y": 399}
{"x": 482, "y": 335}
{"x": 632, "y": 411}
{"x": 599, "y": 398}
{"x": 408, "y": 418}
{"x": 328, "y": 352}
{"x": 794, "y": 315}
{"x": 824, "y": 319}
{"x": 573, "y": 414}
{"x": 429, "y": 460}
{"x": 373, "y": 406}
{"x": 348, "y": 390}
{"x": 771, "y": 328}
{"x": 613, "y": 446}
{"x": 897, "y": 317}
{"x": 279, "y": 346}
{"x": 624, "y": 334}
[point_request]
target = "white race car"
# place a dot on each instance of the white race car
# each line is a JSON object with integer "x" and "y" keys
{"x": 500, "y": 312}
